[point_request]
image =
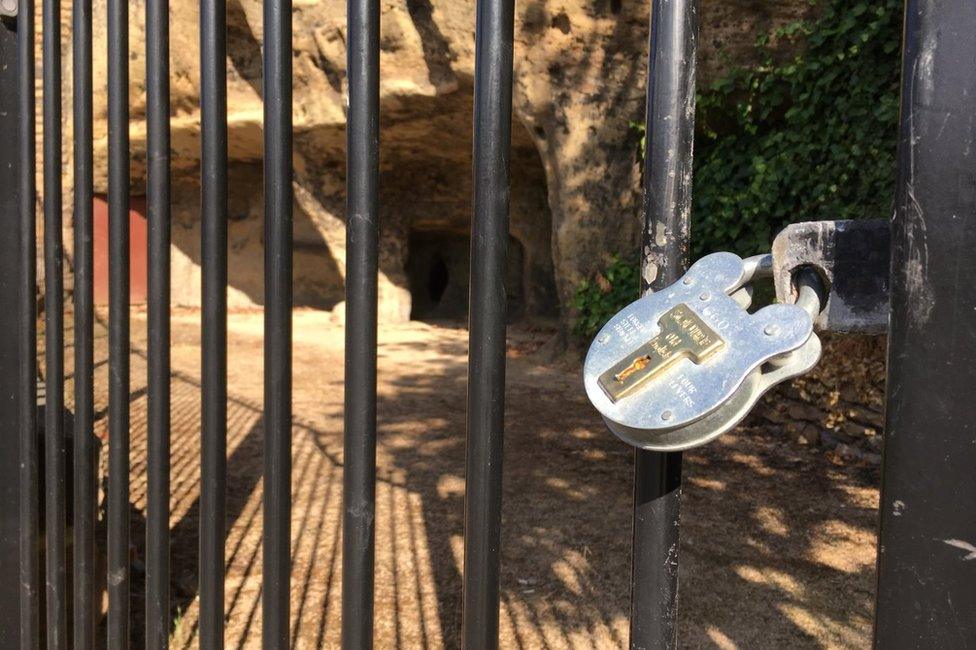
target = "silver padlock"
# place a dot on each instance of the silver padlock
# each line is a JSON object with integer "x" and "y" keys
{"x": 678, "y": 368}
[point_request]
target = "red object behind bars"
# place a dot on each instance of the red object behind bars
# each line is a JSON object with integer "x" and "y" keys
{"x": 137, "y": 249}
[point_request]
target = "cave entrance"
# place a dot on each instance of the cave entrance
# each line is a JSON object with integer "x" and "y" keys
{"x": 438, "y": 266}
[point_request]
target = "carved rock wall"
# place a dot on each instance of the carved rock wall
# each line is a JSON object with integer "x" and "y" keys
{"x": 580, "y": 67}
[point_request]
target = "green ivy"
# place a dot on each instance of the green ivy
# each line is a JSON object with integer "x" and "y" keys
{"x": 598, "y": 299}
{"x": 808, "y": 139}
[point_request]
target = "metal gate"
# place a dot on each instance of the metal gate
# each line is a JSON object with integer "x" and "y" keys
{"x": 926, "y": 588}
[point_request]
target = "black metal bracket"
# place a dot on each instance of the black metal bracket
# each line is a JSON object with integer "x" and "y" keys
{"x": 852, "y": 258}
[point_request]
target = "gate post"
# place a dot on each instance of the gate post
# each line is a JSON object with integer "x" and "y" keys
{"x": 11, "y": 325}
{"x": 927, "y": 541}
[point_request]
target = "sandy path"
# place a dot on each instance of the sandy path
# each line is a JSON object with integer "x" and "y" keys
{"x": 777, "y": 541}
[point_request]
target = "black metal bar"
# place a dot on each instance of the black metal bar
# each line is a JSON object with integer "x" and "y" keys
{"x": 29, "y": 520}
{"x": 667, "y": 205}
{"x": 278, "y": 197}
{"x": 486, "y": 322}
{"x": 84, "y": 479}
{"x": 55, "y": 511}
{"x": 362, "y": 210}
{"x": 926, "y": 573}
{"x": 118, "y": 320}
{"x": 158, "y": 211}
{"x": 213, "y": 209}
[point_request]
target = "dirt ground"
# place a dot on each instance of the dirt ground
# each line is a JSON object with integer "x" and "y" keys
{"x": 777, "y": 539}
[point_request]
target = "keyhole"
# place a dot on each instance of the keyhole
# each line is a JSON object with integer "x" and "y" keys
{"x": 639, "y": 364}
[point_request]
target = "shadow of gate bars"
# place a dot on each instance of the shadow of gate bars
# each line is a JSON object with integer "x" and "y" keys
{"x": 926, "y": 596}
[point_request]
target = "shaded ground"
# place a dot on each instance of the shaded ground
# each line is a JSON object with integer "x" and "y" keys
{"x": 777, "y": 540}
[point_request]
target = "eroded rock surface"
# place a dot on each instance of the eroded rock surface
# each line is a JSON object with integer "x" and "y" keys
{"x": 579, "y": 84}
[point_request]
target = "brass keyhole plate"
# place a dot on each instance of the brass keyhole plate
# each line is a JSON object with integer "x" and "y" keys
{"x": 683, "y": 335}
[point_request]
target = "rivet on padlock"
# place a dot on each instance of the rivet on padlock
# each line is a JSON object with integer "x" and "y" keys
{"x": 680, "y": 367}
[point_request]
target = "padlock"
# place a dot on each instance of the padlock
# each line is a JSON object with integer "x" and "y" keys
{"x": 679, "y": 367}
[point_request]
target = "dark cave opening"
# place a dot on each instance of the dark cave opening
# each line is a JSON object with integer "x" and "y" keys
{"x": 438, "y": 269}
{"x": 438, "y": 279}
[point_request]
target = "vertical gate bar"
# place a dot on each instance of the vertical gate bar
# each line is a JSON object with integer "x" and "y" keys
{"x": 667, "y": 207}
{"x": 158, "y": 211}
{"x": 118, "y": 320}
{"x": 486, "y": 365}
{"x": 277, "y": 320}
{"x": 926, "y": 574}
{"x": 362, "y": 210}
{"x": 30, "y": 574}
{"x": 54, "y": 466}
{"x": 213, "y": 210}
{"x": 84, "y": 452}
{"x": 18, "y": 381}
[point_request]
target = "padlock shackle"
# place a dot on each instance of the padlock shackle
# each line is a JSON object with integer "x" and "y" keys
{"x": 811, "y": 294}
{"x": 757, "y": 267}
{"x": 810, "y": 291}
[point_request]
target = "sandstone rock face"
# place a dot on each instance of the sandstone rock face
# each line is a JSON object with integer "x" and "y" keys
{"x": 580, "y": 67}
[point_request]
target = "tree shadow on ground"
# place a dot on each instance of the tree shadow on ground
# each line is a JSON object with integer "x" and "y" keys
{"x": 770, "y": 542}
{"x": 777, "y": 541}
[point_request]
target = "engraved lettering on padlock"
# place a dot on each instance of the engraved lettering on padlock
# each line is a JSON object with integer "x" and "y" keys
{"x": 683, "y": 335}
{"x": 629, "y": 329}
{"x": 684, "y": 389}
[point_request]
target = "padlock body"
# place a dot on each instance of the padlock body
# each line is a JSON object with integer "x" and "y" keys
{"x": 697, "y": 380}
